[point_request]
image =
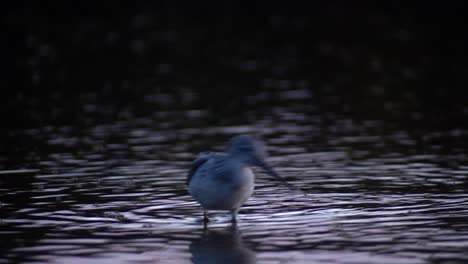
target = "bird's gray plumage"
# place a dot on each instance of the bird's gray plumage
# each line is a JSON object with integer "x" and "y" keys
{"x": 225, "y": 181}
{"x": 202, "y": 158}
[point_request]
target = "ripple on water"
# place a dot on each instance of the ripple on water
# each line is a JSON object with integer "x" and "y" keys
{"x": 127, "y": 201}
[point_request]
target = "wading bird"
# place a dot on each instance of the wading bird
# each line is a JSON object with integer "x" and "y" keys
{"x": 224, "y": 181}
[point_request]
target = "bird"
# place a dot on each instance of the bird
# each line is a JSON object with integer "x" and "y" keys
{"x": 225, "y": 181}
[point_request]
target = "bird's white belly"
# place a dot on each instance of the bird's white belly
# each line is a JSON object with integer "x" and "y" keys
{"x": 218, "y": 195}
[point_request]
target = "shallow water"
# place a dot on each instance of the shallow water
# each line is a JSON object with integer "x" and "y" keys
{"x": 362, "y": 109}
{"x": 115, "y": 193}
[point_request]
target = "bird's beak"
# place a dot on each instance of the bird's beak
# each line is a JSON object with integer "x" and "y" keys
{"x": 273, "y": 173}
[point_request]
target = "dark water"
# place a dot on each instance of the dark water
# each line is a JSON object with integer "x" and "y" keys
{"x": 115, "y": 193}
{"x": 363, "y": 110}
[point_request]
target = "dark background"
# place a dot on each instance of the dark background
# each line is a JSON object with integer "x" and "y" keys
{"x": 81, "y": 63}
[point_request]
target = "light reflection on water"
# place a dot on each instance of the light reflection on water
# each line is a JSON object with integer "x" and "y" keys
{"x": 116, "y": 193}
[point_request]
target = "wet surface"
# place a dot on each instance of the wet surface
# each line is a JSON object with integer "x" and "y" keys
{"x": 116, "y": 193}
{"x": 363, "y": 111}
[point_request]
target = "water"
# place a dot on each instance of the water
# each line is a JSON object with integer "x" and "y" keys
{"x": 362, "y": 109}
{"x": 115, "y": 193}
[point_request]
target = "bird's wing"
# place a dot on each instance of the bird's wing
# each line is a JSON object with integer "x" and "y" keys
{"x": 200, "y": 160}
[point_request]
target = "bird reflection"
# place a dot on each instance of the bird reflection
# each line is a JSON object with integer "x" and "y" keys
{"x": 221, "y": 246}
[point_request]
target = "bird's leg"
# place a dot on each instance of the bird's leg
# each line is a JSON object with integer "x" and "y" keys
{"x": 234, "y": 215}
{"x": 205, "y": 217}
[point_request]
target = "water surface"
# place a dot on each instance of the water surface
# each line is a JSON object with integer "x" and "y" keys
{"x": 362, "y": 109}
{"x": 115, "y": 193}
